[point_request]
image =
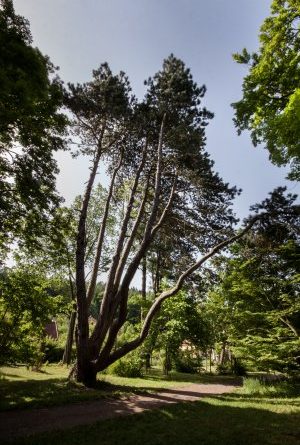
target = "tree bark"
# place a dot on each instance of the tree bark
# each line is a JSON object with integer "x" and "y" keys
{"x": 69, "y": 343}
{"x": 222, "y": 354}
{"x": 144, "y": 284}
{"x": 93, "y": 280}
{"x": 144, "y": 277}
{"x": 86, "y": 374}
{"x": 71, "y": 329}
{"x": 83, "y": 356}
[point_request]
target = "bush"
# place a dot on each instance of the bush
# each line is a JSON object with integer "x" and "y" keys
{"x": 188, "y": 363}
{"x": 127, "y": 367}
{"x": 235, "y": 368}
{"x": 238, "y": 368}
{"x": 53, "y": 351}
{"x": 253, "y": 386}
{"x": 224, "y": 369}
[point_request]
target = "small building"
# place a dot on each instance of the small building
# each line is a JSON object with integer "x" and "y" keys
{"x": 51, "y": 329}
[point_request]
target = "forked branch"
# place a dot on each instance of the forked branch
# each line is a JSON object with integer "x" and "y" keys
{"x": 130, "y": 346}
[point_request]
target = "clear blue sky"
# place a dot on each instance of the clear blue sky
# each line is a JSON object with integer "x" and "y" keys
{"x": 135, "y": 36}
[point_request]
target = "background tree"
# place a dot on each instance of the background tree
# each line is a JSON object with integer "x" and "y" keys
{"x": 179, "y": 333}
{"x": 55, "y": 252}
{"x": 31, "y": 130}
{"x": 257, "y": 304}
{"x": 270, "y": 107}
{"x": 28, "y": 301}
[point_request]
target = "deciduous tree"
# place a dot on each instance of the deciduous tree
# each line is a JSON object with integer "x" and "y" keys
{"x": 257, "y": 304}
{"x": 270, "y": 107}
{"x": 31, "y": 130}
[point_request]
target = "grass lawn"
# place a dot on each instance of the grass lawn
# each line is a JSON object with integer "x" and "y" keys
{"x": 254, "y": 415}
{"x": 21, "y": 388}
{"x": 234, "y": 419}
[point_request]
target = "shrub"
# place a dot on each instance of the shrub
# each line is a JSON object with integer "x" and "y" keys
{"x": 224, "y": 369}
{"x": 254, "y": 386}
{"x": 127, "y": 367}
{"x": 53, "y": 351}
{"x": 188, "y": 363}
{"x": 238, "y": 368}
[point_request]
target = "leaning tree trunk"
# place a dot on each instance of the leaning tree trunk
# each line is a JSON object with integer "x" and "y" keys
{"x": 67, "y": 357}
{"x": 84, "y": 368}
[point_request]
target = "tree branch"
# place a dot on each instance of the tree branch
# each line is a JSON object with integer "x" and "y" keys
{"x": 93, "y": 281}
{"x": 130, "y": 346}
{"x": 290, "y": 326}
{"x": 131, "y": 238}
{"x": 148, "y": 237}
{"x": 104, "y": 318}
{"x": 151, "y": 220}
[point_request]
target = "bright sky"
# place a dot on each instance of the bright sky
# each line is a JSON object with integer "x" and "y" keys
{"x": 135, "y": 36}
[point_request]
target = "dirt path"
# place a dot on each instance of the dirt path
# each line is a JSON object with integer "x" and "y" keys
{"x": 23, "y": 423}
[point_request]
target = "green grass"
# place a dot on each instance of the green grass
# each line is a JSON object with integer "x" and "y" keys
{"x": 254, "y": 415}
{"x": 234, "y": 419}
{"x": 156, "y": 380}
{"x": 21, "y": 388}
{"x": 254, "y": 386}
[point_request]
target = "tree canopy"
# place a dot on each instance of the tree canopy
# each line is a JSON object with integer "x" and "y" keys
{"x": 31, "y": 130}
{"x": 270, "y": 107}
{"x": 257, "y": 300}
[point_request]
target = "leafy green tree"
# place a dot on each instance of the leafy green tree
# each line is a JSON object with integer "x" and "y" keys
{"x": 31, "y": 130}
{"x": 258, "y": 301}
{"x": 55, "y": 253}
{"x": 179, "y": 322}
{"x": 28, "y": 301}
{"x": 270, "y": 107}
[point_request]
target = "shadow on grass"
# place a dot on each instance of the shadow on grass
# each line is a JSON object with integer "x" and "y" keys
{"x": 34, "y": 393}
{"x": 15, "y": 376}
{"x": 51, "y": 392}
{"x": 262, "y": 400}
{"x": 211, "y": 422}
{"x": 20, "y": 393}
{"x": 48, "y": 392}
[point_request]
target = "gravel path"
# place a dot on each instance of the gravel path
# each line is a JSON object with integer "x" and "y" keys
{"x": 23, "y": 423}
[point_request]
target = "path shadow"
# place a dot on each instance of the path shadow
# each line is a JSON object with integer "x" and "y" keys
{"x": 48, "y": 392}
